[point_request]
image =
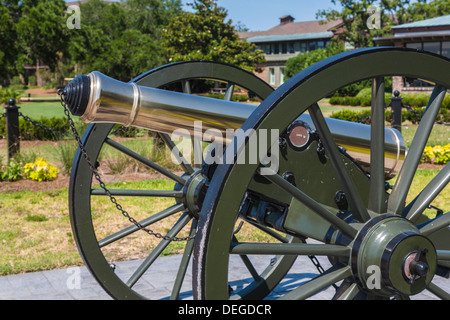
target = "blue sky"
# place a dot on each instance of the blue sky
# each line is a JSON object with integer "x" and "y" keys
{"x": 264, "y": 14}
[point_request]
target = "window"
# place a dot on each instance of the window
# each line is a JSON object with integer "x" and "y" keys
{"x": 276, "y": 48}
{"x": 291, "y": 47}
{"x": 302, "y": 46}
{"x": 281, "y": 75}
{"x": 445, "y": 51}
{"x": 284, "y": 47}
{"x": 320, "y": 44}
{"x": 438, "y": 47}
{"x": 272, "y": 76}
{"x": 311, "y": 45}
{"x": 268, "y": 48}
{"x": 434, "y": 47}
{"x": 414, "y": 45}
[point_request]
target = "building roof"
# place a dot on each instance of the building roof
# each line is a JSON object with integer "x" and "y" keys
{"x": 433, "y": 22}
{"x": 291, "y": 37}
{"x": 293, "y": 31}
{"x": 434, "y": 29}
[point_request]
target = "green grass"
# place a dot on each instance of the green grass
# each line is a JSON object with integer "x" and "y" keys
{"x": 36, "y": 110}
{"x": 36, "y": 233}
{"x": 440, "y": 135}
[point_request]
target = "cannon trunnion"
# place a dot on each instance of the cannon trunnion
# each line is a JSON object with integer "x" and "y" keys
{"x": 311, "y": 186}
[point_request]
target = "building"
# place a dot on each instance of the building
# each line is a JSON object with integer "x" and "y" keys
{"x": 430, "y": 35}
{"x": 287, "y": 40}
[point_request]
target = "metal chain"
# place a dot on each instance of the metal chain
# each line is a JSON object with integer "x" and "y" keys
{"x": 40, "y": 125}
{"x": 103, "y": 186}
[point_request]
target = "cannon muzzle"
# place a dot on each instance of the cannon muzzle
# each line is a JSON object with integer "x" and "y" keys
{"x": 97, "y": 98}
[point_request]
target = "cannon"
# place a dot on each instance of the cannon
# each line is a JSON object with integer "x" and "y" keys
{"x": 299, "y": 183}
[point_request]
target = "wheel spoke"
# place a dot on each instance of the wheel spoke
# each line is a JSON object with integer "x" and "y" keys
{"x": 290, "y": 249}
{"x": 145, "y": 161}
{"x": 229, "y": 93}
{"x": 377, "y": 175}
{"x": 398, "y": 196}
{"x": 350, "y": 292}
{"x": 269, "y": 231}
{"x": 177, "y": 153}
{"x": 184, "y": 263}
{"x": 356, "y": 204}
{"x": 144, "y": 223}
{"x": 248, "y": 264}
{"x": 138, "y": 193}
{"x": 436, "y": 224}
{"x": 181, "y": 223}
{"x": 318, "y": 284}
{"x": 312, "y": 204}
{"x": 440, "y": 293}
{"x": 428, "y": 194}
{"x": 196, "y": 143}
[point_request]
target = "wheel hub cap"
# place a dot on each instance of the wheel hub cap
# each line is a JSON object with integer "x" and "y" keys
{"x": 390, "y": 257}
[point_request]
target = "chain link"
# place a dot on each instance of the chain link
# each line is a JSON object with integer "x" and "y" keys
{"x": 103, "y": 186}
{"x": 40, "y": 125}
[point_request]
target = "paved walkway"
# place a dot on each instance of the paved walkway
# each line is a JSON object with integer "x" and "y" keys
{"x": 77, "y": 283}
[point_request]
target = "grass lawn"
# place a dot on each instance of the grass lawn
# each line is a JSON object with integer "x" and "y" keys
{"x": 35, "y": 231}
{"x": 36, "y": 110}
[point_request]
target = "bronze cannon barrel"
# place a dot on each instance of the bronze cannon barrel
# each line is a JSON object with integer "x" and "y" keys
{"x": 97, "y": 98}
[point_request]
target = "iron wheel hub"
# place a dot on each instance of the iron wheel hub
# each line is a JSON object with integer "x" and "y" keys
{"x": 391, "y": 257}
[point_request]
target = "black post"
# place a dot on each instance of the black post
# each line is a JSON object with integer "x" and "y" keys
{"x": 396, "y": 108}
{"x": 12, "y": 128}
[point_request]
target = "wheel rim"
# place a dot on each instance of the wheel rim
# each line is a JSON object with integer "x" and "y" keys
{"x": 212, "y": 250}
{"x": 94, "y": 140}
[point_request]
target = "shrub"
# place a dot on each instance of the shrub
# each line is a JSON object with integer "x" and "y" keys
{"x": 12, "y": 171}
{"x": 437, "y": 154}
{"x": 7, "y": 93}
{"x": 40, "y": 170}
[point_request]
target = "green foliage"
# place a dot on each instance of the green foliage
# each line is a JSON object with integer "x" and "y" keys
{"x": 41, "y": 33}
{"x": 206, "y": 35}
{"x": 303, "y": 60}
{"x": 7, "y": 93}
{"x": 362, "y": 98}
{"x": 40, "y": 170}
{"x": 12, "y": 171}
{"x": 121, "y": 39}
{"x": 437, "y": 154}
{"x": 354, "y": 15}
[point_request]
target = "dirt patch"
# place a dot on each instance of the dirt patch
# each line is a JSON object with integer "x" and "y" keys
{"x": 62, "y": 181}
{"x": 41, "y": 91}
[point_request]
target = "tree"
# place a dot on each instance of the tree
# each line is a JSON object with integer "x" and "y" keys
{"x": 355, "y": 14}
{"x": 41, "y": 37}
{"x": 206, "y": 35}
{"x": 303, "y": 60}
{"x": 8, "y": 52}
{"x": 127, "y": 47}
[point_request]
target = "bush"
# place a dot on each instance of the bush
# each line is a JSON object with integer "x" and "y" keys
{"x": 363, "y": 98}
{"x": 12, "y": 171}
{"x": 40, "y": 170}
{"x": 8, "y": 93}
{"x": 437, "y": 154}
{"x": 29, "y": 131}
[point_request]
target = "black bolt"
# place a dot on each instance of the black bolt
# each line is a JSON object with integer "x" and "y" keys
{"x": 341, "y": 200}
{"x": 419, "y": 268}
{"x": 289, "y": 177}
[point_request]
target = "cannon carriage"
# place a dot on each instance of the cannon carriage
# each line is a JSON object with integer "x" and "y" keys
{"x": 312, "y": 186}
